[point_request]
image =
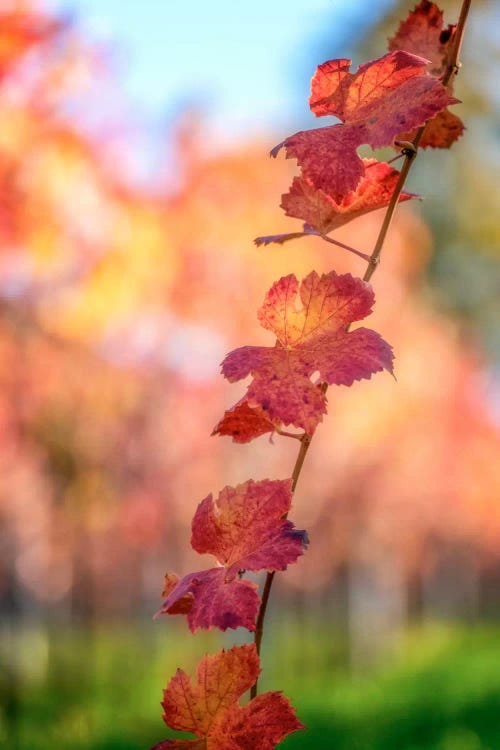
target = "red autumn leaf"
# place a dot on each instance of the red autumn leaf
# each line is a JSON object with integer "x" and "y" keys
{"x": 244, "y": 423}
{"x": 322, "y": 212}
{"x": 310, "y": 324}
{"x": 382, "y": 99}
{"x": 263, "y": 723}
{"x": 356, "y": 97}
{"x": 211, "y": 600}
{"x": 245, "y": 530}
{"x": 328, "y": 157}
{"x": 422, "y": 33}
{"x": 210, "y": 709}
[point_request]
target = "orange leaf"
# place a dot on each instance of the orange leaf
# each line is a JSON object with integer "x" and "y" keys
{"x": 244, "y": 423}
{"x": 210, "y": 709}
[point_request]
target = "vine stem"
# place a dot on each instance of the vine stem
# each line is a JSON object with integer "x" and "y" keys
{"x": 259, "y": 625}
{"x": 409, "y": 151}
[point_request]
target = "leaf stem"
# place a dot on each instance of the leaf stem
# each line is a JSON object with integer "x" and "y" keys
{"x": 259, "y": 625}
{"x": 345, "y": 247}
{"x": 410, "y": 153}
{"x": 296, "y": 435}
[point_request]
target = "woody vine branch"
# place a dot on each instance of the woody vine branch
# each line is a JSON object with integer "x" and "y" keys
{"x": 409, "y": 152}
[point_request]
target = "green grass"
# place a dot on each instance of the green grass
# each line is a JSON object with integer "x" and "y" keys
{"x": 442, "y": 694}
{"x": 101, "y": 690}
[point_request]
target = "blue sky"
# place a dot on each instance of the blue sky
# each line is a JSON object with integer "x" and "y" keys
{"x": 234, "y": 58}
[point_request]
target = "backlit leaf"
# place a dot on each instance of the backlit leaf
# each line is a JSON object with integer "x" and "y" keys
{"x": 355, "y": 97}
{"x": 310, "y": 324}
{"x": 210, "y": 709}
{"x": 382, "y": 99}
{"x": 440, "y": 132}
{"x": 244, "y": 423}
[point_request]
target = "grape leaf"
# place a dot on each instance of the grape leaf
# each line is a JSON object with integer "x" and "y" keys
{"x": 262, "y": 724}
{"x": 382, "y": 99}
{"x": 211, "y": 600}
{"x": 355, "y": 97}
{"x": 311, "y": 338}
{"x": 323, "y": 213}
{"x": 422, "y": 33}
{"x": 245, "y": 530}
{"x": 244, "y": 423}
{"x": 328, "y": 157}
{"x": 210, "y": 709}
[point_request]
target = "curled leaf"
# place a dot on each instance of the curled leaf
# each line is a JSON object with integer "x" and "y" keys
{"x": 244, "y": 423}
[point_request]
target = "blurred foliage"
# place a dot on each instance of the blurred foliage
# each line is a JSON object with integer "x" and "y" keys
{"x": 440, "y": 691}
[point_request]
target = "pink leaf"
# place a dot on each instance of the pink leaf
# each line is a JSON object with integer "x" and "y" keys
{"x": 312, "y": 337}
{"x": 245, "y": 530}
{"x": 211, "y": 599}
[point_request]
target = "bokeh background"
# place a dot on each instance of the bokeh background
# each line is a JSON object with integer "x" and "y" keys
{"x": 133, "y": 177}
